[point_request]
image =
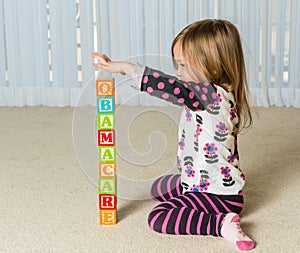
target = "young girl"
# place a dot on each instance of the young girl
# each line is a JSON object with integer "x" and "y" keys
{"x": 212, "y": 88}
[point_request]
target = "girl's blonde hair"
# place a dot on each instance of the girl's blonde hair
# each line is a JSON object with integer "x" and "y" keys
{"x": 214, "y": 47}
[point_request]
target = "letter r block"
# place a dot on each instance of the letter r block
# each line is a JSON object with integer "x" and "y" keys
{"x": 107, "y": 202}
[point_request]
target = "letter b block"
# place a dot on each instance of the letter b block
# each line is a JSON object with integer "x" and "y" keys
{"x": 105, "y": 105}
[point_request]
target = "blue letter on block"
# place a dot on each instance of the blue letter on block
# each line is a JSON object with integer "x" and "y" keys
{"x": 105, "y": 104}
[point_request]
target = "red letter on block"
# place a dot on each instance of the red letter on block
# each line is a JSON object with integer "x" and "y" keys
{"x": 106, "y": 138}
{"x": 107, "y": 201}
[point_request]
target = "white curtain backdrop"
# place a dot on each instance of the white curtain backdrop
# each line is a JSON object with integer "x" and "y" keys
{"x": 46, "y": 46}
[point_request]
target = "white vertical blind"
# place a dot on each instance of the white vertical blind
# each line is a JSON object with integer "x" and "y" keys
{"x": 11, "y": 36}
{"x": 280, "y": 14}
{"x": 46, "y": 46}
{"x": 252, "y": 45}
{"x": 63, "y": 44}
{"x": 293, "y": 87}
{"x": 86, "y": 46}
{"x": 3, "y": 82}
{"x": 266, "y": 57}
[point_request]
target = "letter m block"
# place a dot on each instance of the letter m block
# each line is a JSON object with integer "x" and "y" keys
{"x": 106, "y": 138}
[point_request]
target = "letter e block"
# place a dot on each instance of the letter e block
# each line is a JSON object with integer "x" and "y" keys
{"x": 108, "y": 217}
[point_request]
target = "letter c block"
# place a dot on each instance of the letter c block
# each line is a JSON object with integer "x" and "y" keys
{"x": 107, "y": 170}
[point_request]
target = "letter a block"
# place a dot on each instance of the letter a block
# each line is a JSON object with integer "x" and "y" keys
{"x": 107, "y": 187}
{"x": 106, "y": 121}
{"x": 107, "y": 154}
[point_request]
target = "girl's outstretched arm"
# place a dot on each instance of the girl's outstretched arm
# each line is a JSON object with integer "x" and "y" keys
{"x": 196, "y": 96}
{"x": 124, "y": 68}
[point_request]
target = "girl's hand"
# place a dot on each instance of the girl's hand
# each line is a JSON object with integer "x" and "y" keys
{"x": 124, "y": 68}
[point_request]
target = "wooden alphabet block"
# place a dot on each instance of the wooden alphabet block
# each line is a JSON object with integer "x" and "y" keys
{"x": 107, "y": 170}
{"x": 107, "y": 201}
{"x": 105, "y": 104}
{"x": 107, "y": 186}
{"x": 105, "y": 87}
{"x": 106, "y": 121}
{"x": 106, "y": 137}
{"x": 107, "y": 154}
{"x": 108, "y": 217}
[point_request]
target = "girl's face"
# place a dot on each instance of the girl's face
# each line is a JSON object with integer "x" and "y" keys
{"x": 183, "y": 69}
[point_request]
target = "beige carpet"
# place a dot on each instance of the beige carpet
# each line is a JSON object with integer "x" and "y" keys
{"x": 49, "y": 199}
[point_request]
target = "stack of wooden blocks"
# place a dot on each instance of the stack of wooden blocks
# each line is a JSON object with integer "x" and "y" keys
{"x": 107, "y": 188}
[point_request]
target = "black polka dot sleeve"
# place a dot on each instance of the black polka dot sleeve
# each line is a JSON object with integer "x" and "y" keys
{"x": 196, "y": 96}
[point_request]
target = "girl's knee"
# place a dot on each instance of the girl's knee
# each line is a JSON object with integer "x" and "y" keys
{"x": 165, "y": 187}
{"x": 152, "y": 221}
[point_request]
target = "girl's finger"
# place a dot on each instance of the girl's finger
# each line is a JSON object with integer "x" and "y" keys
{"x": 99, "y": 65}
{"x": 96, "y": 54}
{"x": 105, "y": 57}
{"x": 100, "y": 58}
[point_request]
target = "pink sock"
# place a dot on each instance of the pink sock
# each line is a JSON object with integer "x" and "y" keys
{"x": 233, "y": 233}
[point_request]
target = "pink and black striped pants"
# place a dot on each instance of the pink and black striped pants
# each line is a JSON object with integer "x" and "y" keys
{"x": 189, "y": 213}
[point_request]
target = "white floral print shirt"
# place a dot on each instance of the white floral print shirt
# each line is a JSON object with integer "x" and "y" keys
{"x": 207, "y": 148}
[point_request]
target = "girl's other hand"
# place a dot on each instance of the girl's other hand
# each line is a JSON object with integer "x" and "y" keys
{"x": 111, "y": 66}
{"x": 103, "y": 59}
{"x": 106, "y": 64}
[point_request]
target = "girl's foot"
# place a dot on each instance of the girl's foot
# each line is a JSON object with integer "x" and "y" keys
{"x": 233, "y": 233}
